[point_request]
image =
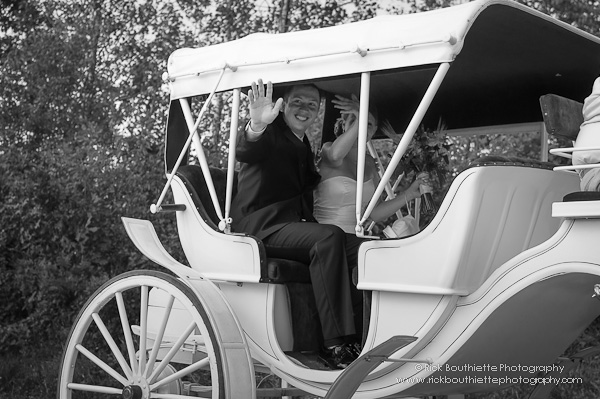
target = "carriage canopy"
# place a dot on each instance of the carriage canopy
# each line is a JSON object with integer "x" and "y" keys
{"x": 503, "y": 57}
{"x": 483, "y": 63}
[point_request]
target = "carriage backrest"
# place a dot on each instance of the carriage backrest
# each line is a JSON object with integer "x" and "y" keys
{"x": 272, "y": 270}
{"x": 194, "y": 179}
{"x": 562, "y": 116}
{"x": 511, "y": 215}
{"x": 218, "y": 256}
{"x": 491, "y": 213}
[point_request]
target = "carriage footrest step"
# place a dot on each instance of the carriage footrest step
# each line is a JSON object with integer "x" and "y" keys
{"x": 309, "y": 359}
{"x": 348, "y": 382}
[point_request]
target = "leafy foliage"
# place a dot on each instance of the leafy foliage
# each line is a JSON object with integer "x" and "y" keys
{"x": 82, "y": 111}
{"x": 580, "y": 13}
{"x": 429, "y": 151}
{"x": 80, "y": 127}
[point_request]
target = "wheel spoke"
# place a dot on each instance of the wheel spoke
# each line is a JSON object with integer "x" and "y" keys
{"x": 94, "y": 388}
{"x": 143, "y": 326}
{"x": 127, "y": 332}
{"x": 113, "y": 346}
{"x": 169, "y": 347}
{"x": 181, "y": 373}
{"x": 172, "y": 352}
{"x": 159, "y": 336}
{"x": 98, "y": 362}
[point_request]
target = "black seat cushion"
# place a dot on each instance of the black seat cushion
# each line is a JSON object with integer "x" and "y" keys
{"x": 284, "y": 271}
{"x": 500, "y": 160}
{"x": 582, "y": 196}
{"x": 193, "y": 178}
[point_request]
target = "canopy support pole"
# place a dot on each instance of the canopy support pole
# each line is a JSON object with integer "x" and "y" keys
{"x": 233, "y": 129}
{"x": 193, "y": 127}
{"x": 404, "y": 142}
{"x": 363, "y": 124}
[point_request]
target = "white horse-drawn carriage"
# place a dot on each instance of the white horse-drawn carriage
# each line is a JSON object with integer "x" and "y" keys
{"x": 489, "y": 294}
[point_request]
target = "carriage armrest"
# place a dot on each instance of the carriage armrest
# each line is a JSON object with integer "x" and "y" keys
{"x": 272, "y": 270}
{"x": 144, "y": 237}
{"x": 578, "y": 205}
{"x": 562, "y": 116}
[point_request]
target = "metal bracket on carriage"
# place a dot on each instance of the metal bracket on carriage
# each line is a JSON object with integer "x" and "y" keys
{"x": 225, "y": 225}
{"x": 167, "y": 208}
{"x": 549, "y": 381}
{"x": 194, "y": 343}
{"x": 348, "y": 382}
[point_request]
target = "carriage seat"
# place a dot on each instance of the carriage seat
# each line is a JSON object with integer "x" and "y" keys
{"x": 273, "y": 270}
{"x": 494, "y": 210}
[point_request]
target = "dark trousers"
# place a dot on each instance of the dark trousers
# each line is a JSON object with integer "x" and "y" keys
{"x": 323, "y": 247}
{"x": 352, "y": 244}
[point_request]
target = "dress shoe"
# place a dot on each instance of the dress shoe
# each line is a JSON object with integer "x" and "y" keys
{"x": 339, "y": 356}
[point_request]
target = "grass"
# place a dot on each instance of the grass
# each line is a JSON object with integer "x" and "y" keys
{"x": 34, "y": 374}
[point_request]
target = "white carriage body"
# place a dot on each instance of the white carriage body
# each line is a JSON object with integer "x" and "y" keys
{"x": 494, "y": 264}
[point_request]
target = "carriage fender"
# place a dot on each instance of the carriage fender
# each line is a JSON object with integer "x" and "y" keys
{"x": 236, "y": 356}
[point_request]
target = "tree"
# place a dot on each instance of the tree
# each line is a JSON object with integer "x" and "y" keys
{"x": 582, "y": 14}
{"x": 81, "y": 116}
{"x": 235, "y": 19}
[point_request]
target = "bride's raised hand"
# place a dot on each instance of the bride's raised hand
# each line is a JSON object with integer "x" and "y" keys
{"x": 346, "y": 105}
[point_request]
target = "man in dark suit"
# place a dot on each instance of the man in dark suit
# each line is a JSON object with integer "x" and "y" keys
{"x": 274, "y": 203}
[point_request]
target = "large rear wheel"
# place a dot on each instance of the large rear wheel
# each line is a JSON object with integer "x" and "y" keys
{"x": 143, "y": 334}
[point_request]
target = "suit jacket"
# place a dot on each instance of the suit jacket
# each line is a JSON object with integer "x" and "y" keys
{"x": 275, "y": 182}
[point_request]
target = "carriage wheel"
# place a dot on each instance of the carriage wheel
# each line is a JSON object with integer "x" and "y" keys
{"x": 143, "y": 334}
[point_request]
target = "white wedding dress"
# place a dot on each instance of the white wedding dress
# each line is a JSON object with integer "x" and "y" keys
{"x": 335, "y": 199}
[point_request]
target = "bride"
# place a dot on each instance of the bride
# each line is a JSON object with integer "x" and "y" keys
{"x": 335, "y": 196}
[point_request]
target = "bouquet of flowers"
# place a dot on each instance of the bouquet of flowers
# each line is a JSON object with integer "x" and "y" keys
{"x": 427, "y": 152}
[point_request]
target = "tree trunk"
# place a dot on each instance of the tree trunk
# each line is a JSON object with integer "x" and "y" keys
{"x": 283, "y": 17}
{"x": 215, "y": 155}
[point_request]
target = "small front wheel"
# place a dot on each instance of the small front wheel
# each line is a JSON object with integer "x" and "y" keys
{"x": 143, "y": 334}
